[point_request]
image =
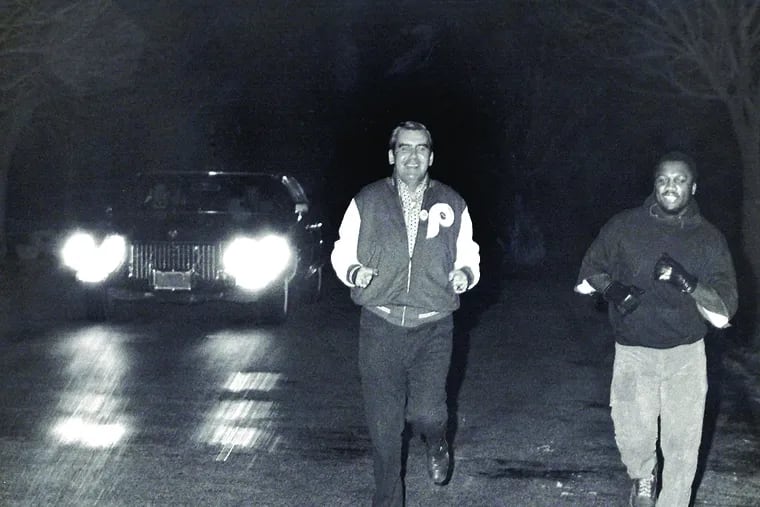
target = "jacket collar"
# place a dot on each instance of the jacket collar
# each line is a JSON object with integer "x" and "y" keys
{"x": 690, "y": 215}
{"x": 429, "y": 182}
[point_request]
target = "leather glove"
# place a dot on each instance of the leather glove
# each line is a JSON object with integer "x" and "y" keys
{"x": 626, "y": 298}
{"x": 667, "y": 269}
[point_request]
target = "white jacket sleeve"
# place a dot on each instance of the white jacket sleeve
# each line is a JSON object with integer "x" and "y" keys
{"x": 344, "y": 255}
{"x": 468, "y": 252}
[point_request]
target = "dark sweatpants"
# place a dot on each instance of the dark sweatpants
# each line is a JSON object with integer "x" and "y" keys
{"x": 403, "y": 373}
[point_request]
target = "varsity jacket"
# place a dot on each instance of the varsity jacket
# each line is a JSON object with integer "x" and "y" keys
{"x": 627, "y": 249}
{"x": 407, "y": 290}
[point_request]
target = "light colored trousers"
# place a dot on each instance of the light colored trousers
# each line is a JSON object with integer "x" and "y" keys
{"x": 669, "y": 384}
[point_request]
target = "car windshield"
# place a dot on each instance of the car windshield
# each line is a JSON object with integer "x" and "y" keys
{"x": 213, "y": 193}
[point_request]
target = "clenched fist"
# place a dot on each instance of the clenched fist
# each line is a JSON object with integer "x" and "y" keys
{"x": 364, "y": 276}
{"x": 458, "y": 280}
{"x": 625, "y": 298}
{"x": 667, "y": 269}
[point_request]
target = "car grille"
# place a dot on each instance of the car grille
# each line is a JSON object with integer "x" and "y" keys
{"x": 203, "y": 259}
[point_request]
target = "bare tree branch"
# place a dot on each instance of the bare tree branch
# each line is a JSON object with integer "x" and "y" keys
{"x": 52, "y": 48}
{"x": 87, "y": 44}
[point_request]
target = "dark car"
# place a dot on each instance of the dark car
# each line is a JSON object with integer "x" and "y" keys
{"x": 194, "y": 237}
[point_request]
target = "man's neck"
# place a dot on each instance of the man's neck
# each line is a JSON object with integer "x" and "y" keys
{"x": 412, "y": 187}
{"x": 669, "y": 215}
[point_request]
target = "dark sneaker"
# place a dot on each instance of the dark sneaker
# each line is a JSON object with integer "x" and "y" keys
{"x": 644, "y": 491}
{"x": 438, "y": 461}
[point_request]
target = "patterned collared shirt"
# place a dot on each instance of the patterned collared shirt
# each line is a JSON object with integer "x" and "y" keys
{"x": 411, "y": 201}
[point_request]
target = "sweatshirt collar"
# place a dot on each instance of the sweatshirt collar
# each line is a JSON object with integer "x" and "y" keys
{"x": 690, "y": 215}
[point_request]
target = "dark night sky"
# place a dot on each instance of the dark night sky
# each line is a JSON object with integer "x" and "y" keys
{"x": 314, "y": 88}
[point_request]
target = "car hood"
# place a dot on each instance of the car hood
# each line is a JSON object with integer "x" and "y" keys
{"x": 197, "y": 227}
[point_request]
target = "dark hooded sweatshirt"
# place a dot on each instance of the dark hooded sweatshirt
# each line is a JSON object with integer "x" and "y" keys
{"x": 627, "y": 249}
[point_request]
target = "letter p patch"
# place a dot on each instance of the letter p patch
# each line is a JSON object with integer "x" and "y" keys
{"x": 440, "y": 215}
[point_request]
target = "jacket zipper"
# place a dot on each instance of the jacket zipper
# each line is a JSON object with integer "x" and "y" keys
{"x": 408, "y": 287}
{"x": 409, "y": 268}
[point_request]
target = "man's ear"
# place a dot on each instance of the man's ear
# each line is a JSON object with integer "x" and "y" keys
{"x": 694, "y": 188}
{"x": 430, "y": 159}
{"x": 391, "y": 157}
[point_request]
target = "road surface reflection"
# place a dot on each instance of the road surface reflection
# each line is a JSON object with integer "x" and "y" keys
{"x": 91, "y": 412}
{"x": 244, "y": 415}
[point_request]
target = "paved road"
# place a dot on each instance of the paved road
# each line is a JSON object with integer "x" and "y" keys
{"x": 189, "y": 406}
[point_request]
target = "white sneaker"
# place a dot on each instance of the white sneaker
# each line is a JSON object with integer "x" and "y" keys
{"x": 644, "y": 491}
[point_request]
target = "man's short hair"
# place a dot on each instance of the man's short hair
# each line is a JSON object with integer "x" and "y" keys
{"x": 409, "y": 125}
{"x": 677, "y": 156}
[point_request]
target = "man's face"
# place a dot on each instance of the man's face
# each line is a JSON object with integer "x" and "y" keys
{"x": 411, "y": 157}
{"x": 673, "y": 187}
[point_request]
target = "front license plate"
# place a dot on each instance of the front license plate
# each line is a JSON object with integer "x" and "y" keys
{"x": 172, "y": 280}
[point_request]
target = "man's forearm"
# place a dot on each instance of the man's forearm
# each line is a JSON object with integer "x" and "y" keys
{"x": 599, "y": 282}
{"x": 708, "y": 299}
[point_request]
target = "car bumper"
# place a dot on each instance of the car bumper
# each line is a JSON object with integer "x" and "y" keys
{"x": 233, "y": 295}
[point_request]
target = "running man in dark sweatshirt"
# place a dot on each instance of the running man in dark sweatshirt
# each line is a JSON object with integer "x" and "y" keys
{"x": 667, "y": 274}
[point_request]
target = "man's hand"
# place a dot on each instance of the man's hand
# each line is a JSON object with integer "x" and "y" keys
{"x": 625, "y": 298}
{"x": 364, "y": 276}
{"x": 669, "y": 270}
{"x": 458, "y": 280}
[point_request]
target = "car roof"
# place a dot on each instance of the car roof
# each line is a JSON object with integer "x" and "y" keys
{"x": 208, "y": 173}
{"x": 292, "y": 184}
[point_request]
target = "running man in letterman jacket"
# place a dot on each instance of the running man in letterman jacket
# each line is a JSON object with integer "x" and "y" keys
{"x": 405, "y": 249}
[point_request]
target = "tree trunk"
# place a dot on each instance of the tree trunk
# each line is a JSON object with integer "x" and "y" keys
{"x": 747, "y": 128}
{"x": 12, "y": 123}
{"x": 751, "y": 242}
{"x": 748, "y": 281}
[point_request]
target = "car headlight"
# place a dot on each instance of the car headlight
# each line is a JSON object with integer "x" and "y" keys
{"x": 93, "y": 261}
{"x": 257, "y": 262}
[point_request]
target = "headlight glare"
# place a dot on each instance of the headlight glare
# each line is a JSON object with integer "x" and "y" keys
{"x": 93, "y": 262}
{"x": 77, "y": 248}
{"x": 255, "y": 263}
